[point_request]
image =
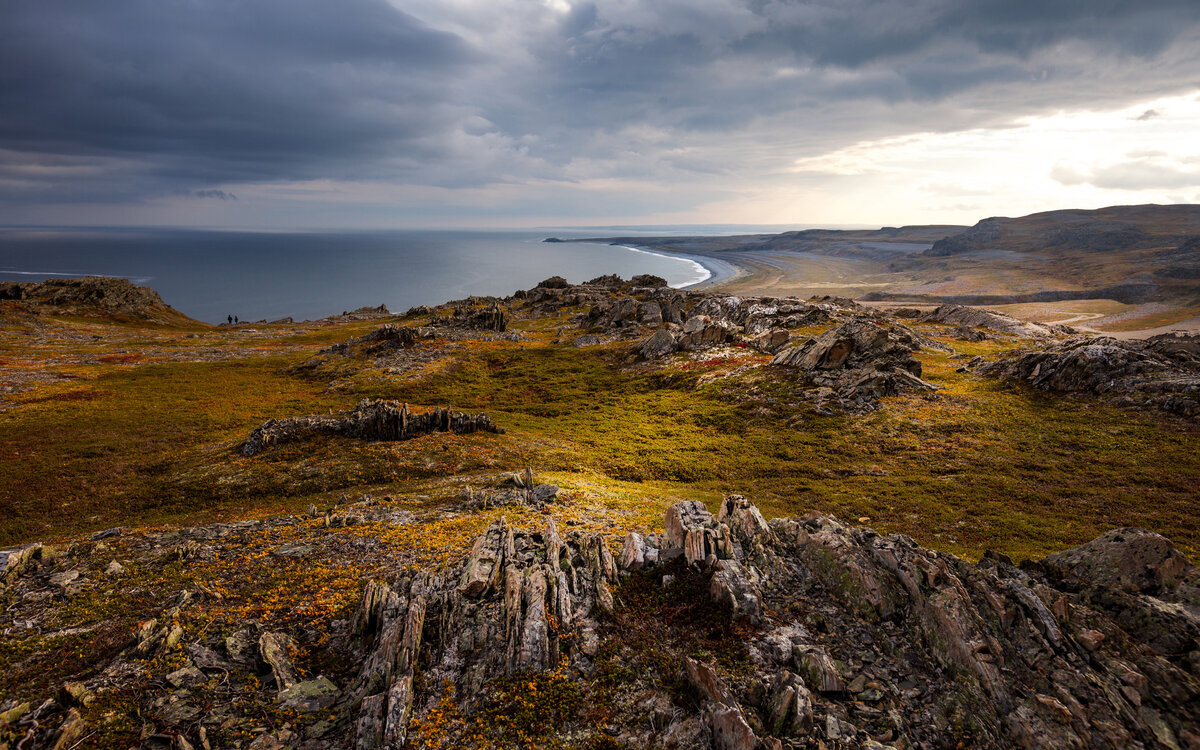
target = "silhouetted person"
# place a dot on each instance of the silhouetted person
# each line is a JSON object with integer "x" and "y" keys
{"x": 235, "y": 320}
{"x": 230, "y": 319}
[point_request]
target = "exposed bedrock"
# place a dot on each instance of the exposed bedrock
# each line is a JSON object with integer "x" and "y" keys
{"x": 376, "y": 419}
{"x": 971, "y": 317}
{"x": 724, "y": 630}
{"x": 857, "y": 363}
{"x": 1162, "y": 372}
{"x": 855, "y": 639}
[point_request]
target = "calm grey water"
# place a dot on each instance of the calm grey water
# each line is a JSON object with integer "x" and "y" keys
{"x": 257, "y": 275}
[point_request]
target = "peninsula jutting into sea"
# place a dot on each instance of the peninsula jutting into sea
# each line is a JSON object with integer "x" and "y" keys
{"x": 599, "y": 375}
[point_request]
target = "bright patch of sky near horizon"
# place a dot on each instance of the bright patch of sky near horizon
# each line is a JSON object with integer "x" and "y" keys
{"x": 506, "y": 113}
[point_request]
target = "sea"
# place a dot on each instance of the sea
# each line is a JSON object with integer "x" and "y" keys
{"x": 259, "y": 275}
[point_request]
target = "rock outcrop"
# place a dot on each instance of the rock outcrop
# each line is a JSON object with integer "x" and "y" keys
{"x": 519, "y": 489}
{"x": 971, "y": 318}
{"x": 1161, "y": 373}
{"x": 857, "y": 363}
{"x": 855, "y": 639}
{"x": 722, "y": 631}
{"x": 490, "y": 317}
{"x": 93, "y": 295}
{"x": 369, "y": 420}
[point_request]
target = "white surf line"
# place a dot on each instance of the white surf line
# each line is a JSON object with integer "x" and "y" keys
{"x": 701, "y": 272}
{"x": 76, "y": 275}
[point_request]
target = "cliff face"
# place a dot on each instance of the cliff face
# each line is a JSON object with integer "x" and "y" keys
{"x": 723, "y": 631}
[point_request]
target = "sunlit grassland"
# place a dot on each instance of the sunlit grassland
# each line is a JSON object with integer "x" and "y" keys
{"x": 981, "y": 465}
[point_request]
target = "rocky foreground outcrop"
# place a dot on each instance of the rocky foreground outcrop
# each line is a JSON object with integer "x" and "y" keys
{"x": 722, "y": 631}
{"x": 1161, "y": 373}
{"x": 854, "y": 639}
{"x": 371, "y": 419}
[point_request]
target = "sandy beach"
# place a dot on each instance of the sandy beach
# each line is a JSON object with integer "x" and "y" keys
{"x": 804, "y": 274}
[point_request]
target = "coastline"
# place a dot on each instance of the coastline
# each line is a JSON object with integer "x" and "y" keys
{"x": 719, "y": 271}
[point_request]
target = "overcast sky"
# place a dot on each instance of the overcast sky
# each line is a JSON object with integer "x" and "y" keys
{"x": 369, "y": 113}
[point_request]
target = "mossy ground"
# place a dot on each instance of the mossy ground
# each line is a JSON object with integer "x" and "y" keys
{"x": 982, "y": 465}
{"x": 132, "y": 426}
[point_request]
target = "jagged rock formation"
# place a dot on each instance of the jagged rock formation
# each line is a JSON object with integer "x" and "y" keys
{"x": 857, "y": 363}
{"x": 514, "y": 489}
{"x": 761, "y": 323}
{"x": 488, "y": 318}
{"x": 366, "y": 312}
{"x": 722, "y": 631}
{"x": 369, "y": 420}
{"x": 1162, "y": 372}
{"x": 387, "y": 338}
{"x": 857, "y": 639}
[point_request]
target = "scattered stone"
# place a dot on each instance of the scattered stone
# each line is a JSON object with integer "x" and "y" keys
{"x": 64, "y": 579}
{"x": 274, "y": 649}
{"x": 309, "y": 696}
{"x": 186, "y": 677}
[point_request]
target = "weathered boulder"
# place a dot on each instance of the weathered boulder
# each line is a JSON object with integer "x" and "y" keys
{"x": 1135, "y": 560}
{"x": 650, "y": 313}
{"x": 771, "y": 341}
{"x": 702, "y": 332}
{"x": 658, "y": 345}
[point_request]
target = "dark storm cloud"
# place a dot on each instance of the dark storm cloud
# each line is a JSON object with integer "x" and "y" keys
{"x": 127, "y": 99}
{"x": 200, "y": 91}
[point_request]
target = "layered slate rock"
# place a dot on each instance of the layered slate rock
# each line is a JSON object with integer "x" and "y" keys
{"x": 488, "y": 317}
{"x": 832, "y": 636}
{"x": 521, "y": 601}
{"x": 1160, "y": 373}
{"x": 376, "y": 419}
{"x": 856, "y": 639}
{"x": 857, "y": 363}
